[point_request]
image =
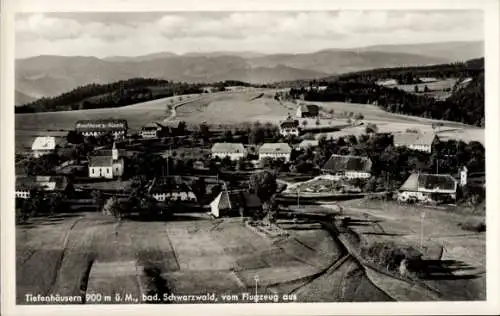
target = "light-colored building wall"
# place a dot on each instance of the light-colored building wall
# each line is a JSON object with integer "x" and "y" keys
{"x": 101, "y": 172}
{"x": 285, "y": 156}
{"x": 232, "y": 156}
{"x": 289, "y": 131}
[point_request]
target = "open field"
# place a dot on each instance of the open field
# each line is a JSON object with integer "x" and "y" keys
{"x": 72, "y": 253}
{"x": 436, "y": 85}
{"x": 230, "y": 108}
{"x": 463, "y": 261}
{"x": 234, "y": 108}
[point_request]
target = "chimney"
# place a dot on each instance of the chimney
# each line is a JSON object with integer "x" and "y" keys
{"x": 463, "y": 176}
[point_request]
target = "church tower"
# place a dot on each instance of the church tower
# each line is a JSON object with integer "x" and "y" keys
{"x": 114, "y": 152}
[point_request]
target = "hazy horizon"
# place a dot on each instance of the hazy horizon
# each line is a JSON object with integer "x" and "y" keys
{"x": 132, "y": 34}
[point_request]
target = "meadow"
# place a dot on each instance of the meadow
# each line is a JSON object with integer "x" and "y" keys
{"x": 92, "y": 253}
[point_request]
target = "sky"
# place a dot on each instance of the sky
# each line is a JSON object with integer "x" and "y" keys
{"x": 132, "y": 34}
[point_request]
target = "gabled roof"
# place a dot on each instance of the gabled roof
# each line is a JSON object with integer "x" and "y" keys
{"x": 46, "y": 183}
{"x": 100, "y": 161}
{"x": 414, "y": 138}
{"x": 338, "y": 163}
{"x": 222, "y": 201}
{"x": 311, "y": 108}
{"x": 289, "y": 124}
{"x": 228, "y": 148}
{"x": 308, "y": 143}
{"x": 423, "y": 182}
{"x": 269, "y": 148}
{"x": 44, "y": 143}
{"x": 170, "y": 184}
{"x": 152, "y": 125}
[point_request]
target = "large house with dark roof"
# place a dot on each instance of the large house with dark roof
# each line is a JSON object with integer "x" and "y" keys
{"x": 289, "y": 127}
{"x": 423, "y": 187}
{"x": 275, "y": 151}
{"x": 308, "y": 110}
{"x": 234, "y": 151}
{"x": 27, "y": 184}
{"x": 171, "y": 189}
{"x": 421, "y": 141}
{"x": 153, "y": 130}
{"x": 106, "y": 166}
{"x": 347, "y": 166}
{"x": 118, "y": 128}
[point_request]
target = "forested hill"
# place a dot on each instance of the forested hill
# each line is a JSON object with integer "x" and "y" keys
{"x": 465, "y": 104}
{"x": 116, "y": 94}
{"x": 407, "y": 75}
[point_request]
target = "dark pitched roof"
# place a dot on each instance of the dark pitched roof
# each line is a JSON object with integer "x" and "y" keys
{"x": 289, "y": 124}
{"x": 49, "y": 183}
{"x": 100, "y": 161}
{"x": 309, "y": 108}
{"x": 338, "y": 163}
{"x": 423, "y": 182}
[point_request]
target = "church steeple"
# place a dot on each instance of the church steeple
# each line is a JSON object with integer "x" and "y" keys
{"x": 114, "y": 152}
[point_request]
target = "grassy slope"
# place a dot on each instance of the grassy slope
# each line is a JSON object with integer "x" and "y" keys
{"x": 441, "y": 228}
{"x": 194, "y": 255}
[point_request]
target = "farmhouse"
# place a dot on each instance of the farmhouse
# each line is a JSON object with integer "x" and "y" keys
{"x": 305, "y": 144}
{"x": 152, "y": 130}
{"x": 416, "y": 140}
{"x": 106, "y": 166}
{"x": 43, "y": 145}
{"x": 234, "y": 151}
{"x": 307, "y": 110}
{"x": 275, "y": 151}
{"x": 421, "y": 187}
{"x": 387, "y": 82}
{"x": 289, "y": 127}
{"x": 27, "y": 184}
{"x": 118, "y": 128}
{"x": 222, "y": 205}
{"x": 171, "y": 189}
{"x": 351, "y": 167}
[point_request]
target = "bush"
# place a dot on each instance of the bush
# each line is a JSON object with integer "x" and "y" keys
{"x": 474, "y": 224}
{"x": 389, "y": 254}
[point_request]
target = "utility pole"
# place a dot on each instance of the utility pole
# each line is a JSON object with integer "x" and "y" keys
{"x": 298, "y": 197}
{"x": 422, "y": 217}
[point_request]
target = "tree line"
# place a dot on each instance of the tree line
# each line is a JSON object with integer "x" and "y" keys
{"x": 465, "y": 105}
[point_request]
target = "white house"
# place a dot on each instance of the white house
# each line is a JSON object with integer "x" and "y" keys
{"x": 275, "y": 151}
{"x": 422, "y": 187}
{"x": 108, "y": 167}
{"x": 152, "y": 130}
{"x": 289, "y": 127}
{"x": 350, "y": 167}
{"x": 118, "y": 128}
{"x": 26, "y": 184}
{"x": 416, "y": 140}
{"x": 171, "y": 189}
{"x": 234, "y": 151}
{"x": 43, "y": 145}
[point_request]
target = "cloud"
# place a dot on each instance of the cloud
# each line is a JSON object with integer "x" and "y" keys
{"x": 102, "y": 34}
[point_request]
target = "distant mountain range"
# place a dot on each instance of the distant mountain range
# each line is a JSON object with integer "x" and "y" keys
{"x": 52, "y": 75}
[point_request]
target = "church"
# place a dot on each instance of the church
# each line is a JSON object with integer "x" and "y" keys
{"x": 106, "y": 165}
